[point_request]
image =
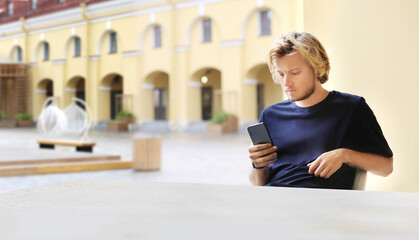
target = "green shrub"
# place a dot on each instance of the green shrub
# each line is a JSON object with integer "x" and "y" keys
{"x": 23, "y": 116}
{"x": 125, "y": 113}
{"x": 220, "y": 117}
{"x": 1, "y": 115}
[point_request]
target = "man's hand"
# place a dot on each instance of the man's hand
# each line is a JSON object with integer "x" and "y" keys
{"x": 327, "y": 163}
{"x": 257, "y": 154}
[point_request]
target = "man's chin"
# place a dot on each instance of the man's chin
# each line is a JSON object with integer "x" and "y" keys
{"x": 293, "y": 98}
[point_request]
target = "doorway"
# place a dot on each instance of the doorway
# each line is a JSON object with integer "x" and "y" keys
{"x": 160, "y": 103}
{"x": 116, "y": 103}
{"x": 206, "y": 103}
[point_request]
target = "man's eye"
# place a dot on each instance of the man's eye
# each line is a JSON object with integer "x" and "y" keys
{"x": 295, "y": 73}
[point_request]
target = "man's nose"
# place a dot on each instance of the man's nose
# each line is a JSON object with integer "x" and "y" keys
{"x": 287, "y": 81}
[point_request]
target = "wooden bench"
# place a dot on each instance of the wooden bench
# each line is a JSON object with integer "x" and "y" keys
{"x": 80, "y": 146}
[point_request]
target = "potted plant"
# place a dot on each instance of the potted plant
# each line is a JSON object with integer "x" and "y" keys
{"x": 6, "y": 123}
{"x": 117, "y": 125}
{"x": 126, "y": 117}
{"x": 223, "y": 122}
{"x": 24, "y": 120}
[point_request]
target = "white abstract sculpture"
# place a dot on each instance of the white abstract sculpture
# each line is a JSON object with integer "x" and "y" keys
{"x": 71, "y": 123}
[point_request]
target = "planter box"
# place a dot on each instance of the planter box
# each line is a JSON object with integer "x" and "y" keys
{"x": 7, "y": 124}
{"x": 117, "y": 127}
{"x": 215, "y": 128}
{"x": 231, "y": 124}
{"x": 127, "y": 120}
{"x": 26, "y": 123}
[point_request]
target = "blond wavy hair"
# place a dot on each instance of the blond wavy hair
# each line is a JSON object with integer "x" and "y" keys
{"x": 308, "y": 46}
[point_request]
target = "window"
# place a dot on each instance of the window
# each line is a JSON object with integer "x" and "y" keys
{"x": 77, "y": 47}
{"x": 157, "y": 36}
{"x": 33, "y": 5}
{"x": 206, "y": 30}
{"x": 46, "y": 51}
{"x": 112, "y": 43}
{"x": 19, "y": 54}
{"x": 265, "y": 22}
{"x": 10, "y": 9}
{"x": 62, "y": 1}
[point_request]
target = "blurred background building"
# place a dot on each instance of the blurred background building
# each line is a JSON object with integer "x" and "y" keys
{"x": 178, "y": 62}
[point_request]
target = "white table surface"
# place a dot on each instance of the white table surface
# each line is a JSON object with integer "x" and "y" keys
{"x": 98, "y": 209}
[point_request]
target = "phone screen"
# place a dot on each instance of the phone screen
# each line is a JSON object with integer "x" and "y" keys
{"x": 259, "y": 134}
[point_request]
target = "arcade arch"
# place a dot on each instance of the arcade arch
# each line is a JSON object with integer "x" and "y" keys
{"x": 110, "y": 96}
{"x": 44, "y": 89}
{"x": 75, "y": 87}
{"x": 261, "y": 91}
{"x": 205, "y": 96}
{"x": 156, "y": 96}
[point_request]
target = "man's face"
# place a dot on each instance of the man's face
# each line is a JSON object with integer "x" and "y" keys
{"x": 296, "y": 76}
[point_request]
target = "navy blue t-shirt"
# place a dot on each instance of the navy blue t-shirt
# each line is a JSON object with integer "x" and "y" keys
{"x": 303, "y": 134}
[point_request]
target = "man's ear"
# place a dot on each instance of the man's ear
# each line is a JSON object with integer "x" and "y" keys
{"x": 316, "y": 74}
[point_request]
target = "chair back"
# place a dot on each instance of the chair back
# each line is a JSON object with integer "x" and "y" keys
{"x": 360, "y": 179}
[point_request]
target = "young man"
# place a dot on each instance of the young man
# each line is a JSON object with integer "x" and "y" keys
{"x": 319, "y": 137}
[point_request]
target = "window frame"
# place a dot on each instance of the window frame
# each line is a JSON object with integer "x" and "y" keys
{"x": 19, "y": 56}
{"x": 113, "y": 42}
{"x": 206, "y": 30}
{"x": 76, "y": 47}
{"x": 45, "y": 51}
{"x": 10, "y": 8}
{"x": 157, "y": 41}
{"x": 265, "y": 23}
{"x": 34, "y": 4}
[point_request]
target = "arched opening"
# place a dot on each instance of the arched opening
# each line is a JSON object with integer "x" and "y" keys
{"x": 261, "y": 91}
{"x": 72, "y": 47}
{"x": 206, "y": 95}
{"x": 203, "y": 29}
{"x": 110, "y": 96}
{"x": 151, "y": 36}
{"x": 109, "y": 43}
{"x": 16, "y": 54}
{"x": 157, "y": 87}
{"x": 75, "y": 88}
{"x": 44, "y": 90}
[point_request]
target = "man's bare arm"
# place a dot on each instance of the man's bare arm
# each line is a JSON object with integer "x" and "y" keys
{"x": 259, "y": 177}
{"x": 329, "y": 162}
{"x": 261, "y": 155}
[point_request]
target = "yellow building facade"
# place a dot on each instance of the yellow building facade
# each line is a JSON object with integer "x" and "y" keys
{"x": 120, "y": 67}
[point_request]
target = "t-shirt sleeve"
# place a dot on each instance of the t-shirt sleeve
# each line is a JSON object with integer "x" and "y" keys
{"x": 261, "y": 117}
{"x": 366, "y": 133}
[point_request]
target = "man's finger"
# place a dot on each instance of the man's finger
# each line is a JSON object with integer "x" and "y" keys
{"x": 313, "y": 166}
{"x": 324, "y": 173}
{"x": 319, "y": 169}
{"x": 266, "y": 160}
{"x": 270, "y": 157}
{"x": 259, "y": 147}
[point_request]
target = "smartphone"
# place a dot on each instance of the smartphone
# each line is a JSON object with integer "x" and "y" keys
{"x": 259, "y": 134}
